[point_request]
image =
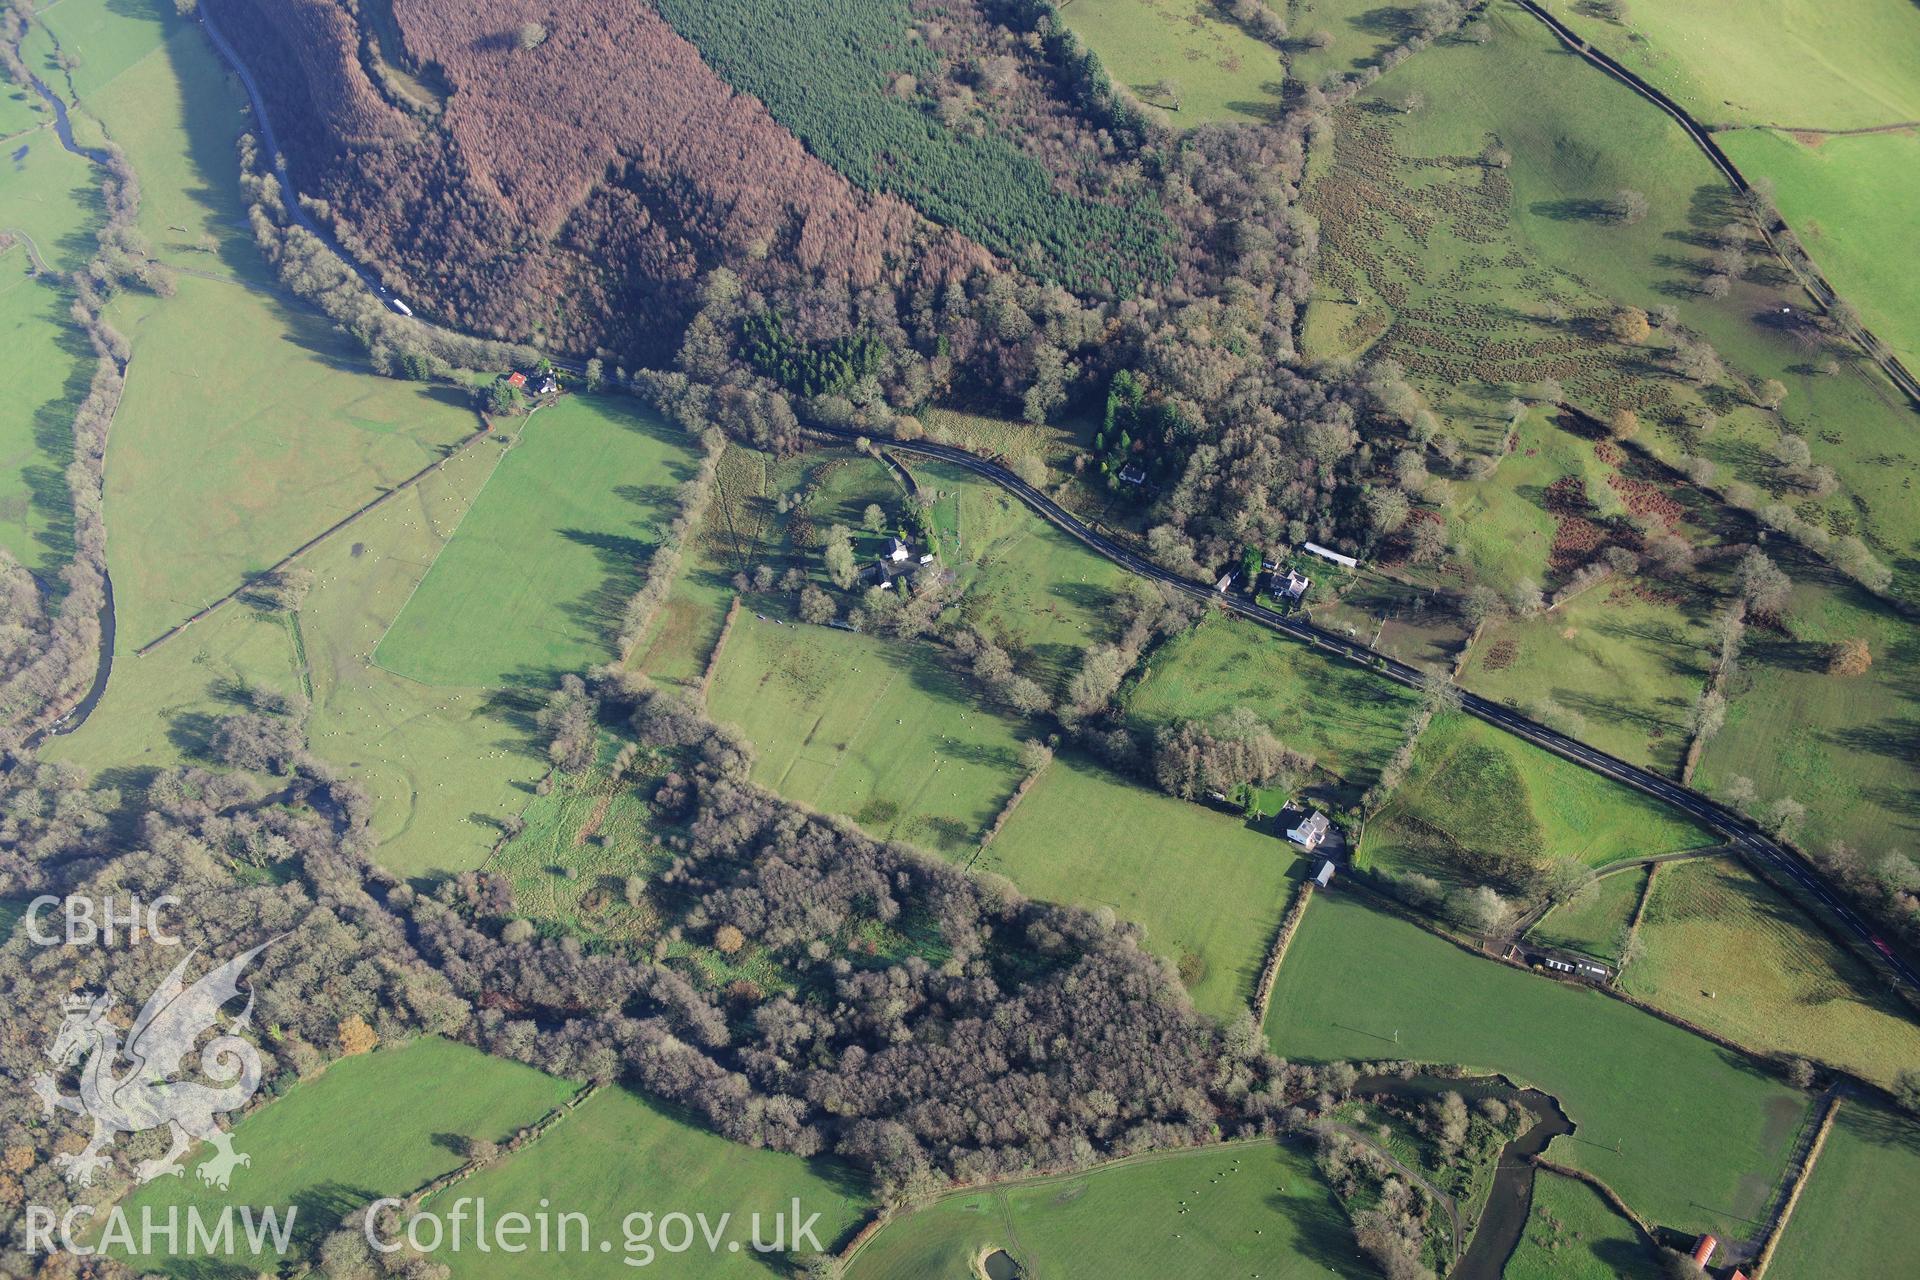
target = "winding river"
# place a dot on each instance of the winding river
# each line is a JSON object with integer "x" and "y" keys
{"x": 63, "y": 129}
{"x": 1511, "y": 1200}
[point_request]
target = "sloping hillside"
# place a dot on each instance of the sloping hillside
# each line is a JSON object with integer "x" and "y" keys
{"x": 579, "y": 174}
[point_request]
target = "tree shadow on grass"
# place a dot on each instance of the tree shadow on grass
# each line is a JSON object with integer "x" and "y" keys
{"x": 623, "y": 563}
{"x": 1572, "y": 210}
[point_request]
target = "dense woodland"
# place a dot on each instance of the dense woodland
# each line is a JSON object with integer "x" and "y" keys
{"x": 926, "y": 1023}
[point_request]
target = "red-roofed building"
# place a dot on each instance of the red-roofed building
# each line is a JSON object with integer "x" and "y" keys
{"x": 1703, "y": 1249}
{"x": 516, "y": 380}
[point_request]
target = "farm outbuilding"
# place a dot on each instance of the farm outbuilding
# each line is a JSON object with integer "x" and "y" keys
{"x": 1703, "y": 1249}
{"x": 1324, "y": 876}
{"x": 1314, "y": 548}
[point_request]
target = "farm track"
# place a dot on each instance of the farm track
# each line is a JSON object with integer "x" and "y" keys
{"x": 1809, "y": 275}
{"x": 1522, "y": 926}
{"x": 1740, "y": 833}
{"x": 34, "y": 258}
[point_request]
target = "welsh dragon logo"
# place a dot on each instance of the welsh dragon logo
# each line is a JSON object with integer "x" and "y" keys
{"x": 145, "y": 1096}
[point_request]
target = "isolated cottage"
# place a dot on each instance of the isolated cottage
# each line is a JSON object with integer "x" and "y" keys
{"x": 1295, "y": 585}
{"x": 897, "y": 550}
{"x": 1311, "y": 831}
{"x": 1133, "y": 473}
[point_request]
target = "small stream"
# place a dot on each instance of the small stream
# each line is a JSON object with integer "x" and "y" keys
{"x": 62, "y": 124}
{"x": 1505, "y": 1217}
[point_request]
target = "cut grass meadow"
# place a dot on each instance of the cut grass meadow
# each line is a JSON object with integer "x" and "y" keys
{"x": 1255, "y": 1208}
{"x": 383, "y": 1124}
{"x": 1207, "y": 888}
{"x": 1850, "y": 201}
{"x": 1692, "y": 1136}
{"x": 618, "y": 1154}
{"x": 878, "y": 730}
{"x": 1724, "y": 950}
{"x": 534, "y": 582}
{"x": 1856, "y": 1216}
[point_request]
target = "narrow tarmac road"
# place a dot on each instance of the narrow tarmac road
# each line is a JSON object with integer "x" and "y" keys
{"x": 1737, "y": 830}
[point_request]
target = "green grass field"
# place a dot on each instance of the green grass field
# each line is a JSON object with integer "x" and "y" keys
{"x": 1690, "y": 1135}
{"x": 1573, "y": 1234}
{"x": 1244, "y": 1210}
{"x": 1596, "y": 921}
{"x": 1208, "y": 889}
{"x": 50, "y": 202}
{"x": 160, "y": 709}
{"x": 1727, "y": 952}
{"x": 1855, "y": 1217}
{"x": 222, "y": 482}
{"x": 1349, "y": 720}
{"x": 21, "y": 112}
{"x": 534, "y": 581}
{"x": 876, "y": 729}
{"x": 1610, "y": 666}
{"x": 446, "y": 765}
{"x": 1221, "y": 71}
{"x": 1843, "y": 196}
{"x": 1796, "y": 77}
{"x": 1480, "y": 806}
{"x": 1359, "y": 31}
{"x": 103, "y": 38}
{"x": 220, "y": 479}
{"x": 47, "y": 363}
{"x": 619, "y": 1154}
{"x": 383, "y": 1124}
{"x": 1837, "y": 64}
{"x": 1842, "y": 746}
{"x": 192, "y": 212}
